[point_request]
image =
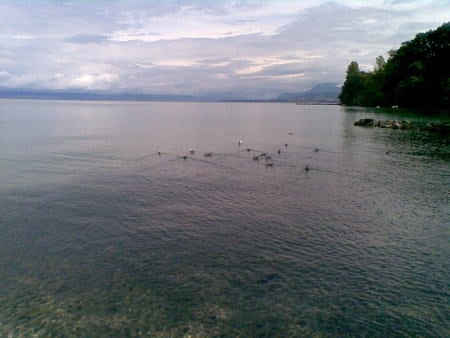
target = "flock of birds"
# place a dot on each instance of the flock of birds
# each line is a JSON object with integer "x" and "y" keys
{"x": 268, "y": 159}
{"x": 261, "y": 155}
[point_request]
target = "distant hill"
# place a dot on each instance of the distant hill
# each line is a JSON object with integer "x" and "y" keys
{"x": 65, "y": 95}
{"x": 321, "y": 93}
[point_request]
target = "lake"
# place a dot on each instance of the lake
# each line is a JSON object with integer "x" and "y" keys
{"x": 343, "y": 231}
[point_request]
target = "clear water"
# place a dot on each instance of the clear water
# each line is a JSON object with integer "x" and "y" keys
{"x": 100, "y": 236}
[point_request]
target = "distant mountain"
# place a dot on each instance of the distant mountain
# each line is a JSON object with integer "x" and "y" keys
{"x": 65, "y": 95}
{"x": 321, "y": 93}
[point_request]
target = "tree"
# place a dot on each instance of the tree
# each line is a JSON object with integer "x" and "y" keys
{"x": 353, "y": 85}
{"x": 379, "y": 63}
{"x": 415, "y": 75}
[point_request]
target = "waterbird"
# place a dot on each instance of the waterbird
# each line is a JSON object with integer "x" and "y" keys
{"x": 208, "y": 155}
{"x": 184, "y": 157}
{"x": 159, "y": 153}
{"x": 256, "y": 158}
{"x": 316, "y": 150}
{"x": 240, "y": 142}
{"x": 290, "y": 133}
{"x": 263, "y": 154}
{"x": 191, "y": 151}
{"x": 268, "y": 157}
{"x": 248, "y": 149}
{"x": 306, "y": 169}
{"x": 285, "y": 144}
{"x": 269, "y": 164}
{"x": 279, "y": 151}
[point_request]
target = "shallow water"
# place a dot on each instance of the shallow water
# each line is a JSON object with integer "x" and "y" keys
{"x": 101, "y": 236}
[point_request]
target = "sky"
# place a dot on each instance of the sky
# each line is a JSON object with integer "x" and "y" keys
{"x": 242, "y": 48}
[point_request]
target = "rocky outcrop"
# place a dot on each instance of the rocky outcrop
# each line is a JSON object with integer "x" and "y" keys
{"x": 443, "y": 127}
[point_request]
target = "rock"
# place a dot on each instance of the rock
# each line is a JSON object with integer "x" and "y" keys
{"x": 442, "y": 127}
{"x": 405, "y": 124}
{"x": 365, "y": 122}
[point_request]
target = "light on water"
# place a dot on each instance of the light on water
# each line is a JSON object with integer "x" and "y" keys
{"x": 154, "y": 219}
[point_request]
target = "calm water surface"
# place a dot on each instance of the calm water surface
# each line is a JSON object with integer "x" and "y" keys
{"x": 101, "y": 237}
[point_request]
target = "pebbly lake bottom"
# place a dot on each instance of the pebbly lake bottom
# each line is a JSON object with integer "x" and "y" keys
{"x": 100, "y": 236}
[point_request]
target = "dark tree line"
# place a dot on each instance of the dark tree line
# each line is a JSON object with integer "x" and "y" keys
{"x": 415, "y": 75}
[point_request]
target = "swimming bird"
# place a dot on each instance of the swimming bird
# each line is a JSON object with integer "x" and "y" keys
{"x": 306, "y": 169}
{"x": 159, "y": 153}
{"x": 263, "y": 154}
{"x": 184, "y": 157}
{"x": 191, "y": 151}
{"x": 316, "y": 150}
{"x": 285, "y": 144}
{"x": 290, "y": 133}
{"x": 268, "y": 157}
{"x": 208, "y": 154}
{"x": 269, "y": 164}
{"x": 279, "y": 151}
{"x": 248, "y": 149}
{"x": 256, "y": 158}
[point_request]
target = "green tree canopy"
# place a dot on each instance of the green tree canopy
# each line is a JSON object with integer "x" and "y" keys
{"x": 415, "y": 75}
{"x": 353, "y": 85}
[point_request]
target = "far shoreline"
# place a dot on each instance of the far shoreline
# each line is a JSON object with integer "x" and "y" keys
{"x": 199, "y": 100}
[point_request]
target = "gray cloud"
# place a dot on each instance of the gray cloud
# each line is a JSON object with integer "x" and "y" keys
{"x": 174, "y": 47}
{"x": 86, "y": 38}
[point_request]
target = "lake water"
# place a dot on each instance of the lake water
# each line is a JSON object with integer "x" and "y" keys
{"x": 100, "y": 236}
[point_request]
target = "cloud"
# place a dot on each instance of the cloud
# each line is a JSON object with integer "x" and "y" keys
{"x": 86, "y": 38}
{"x": 90, "y": 81}
{"x": 23, "y": 37}
{"x": 196, "y": 47}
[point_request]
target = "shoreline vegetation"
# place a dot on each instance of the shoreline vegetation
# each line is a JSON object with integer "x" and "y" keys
{"x": 414, "y": 76}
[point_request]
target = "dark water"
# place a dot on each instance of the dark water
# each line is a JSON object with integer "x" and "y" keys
{"x": 101, "y": 237}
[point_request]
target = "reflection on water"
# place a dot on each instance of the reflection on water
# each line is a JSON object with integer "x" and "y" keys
{"x": 101, "y": 236}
